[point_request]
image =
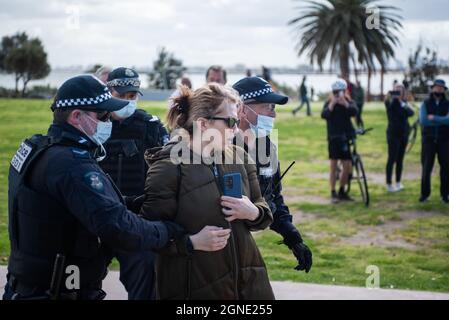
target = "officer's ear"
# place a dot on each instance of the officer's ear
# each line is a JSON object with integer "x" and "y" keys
{"x": 241, "y": 112}
{"x": 74, "y": 117}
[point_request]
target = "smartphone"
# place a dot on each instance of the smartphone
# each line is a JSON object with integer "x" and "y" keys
{"x": 232, "y": 185}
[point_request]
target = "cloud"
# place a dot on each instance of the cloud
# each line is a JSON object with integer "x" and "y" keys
{"x": 200, "y": 32}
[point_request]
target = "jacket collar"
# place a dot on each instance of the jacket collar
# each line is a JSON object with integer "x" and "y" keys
{"x": 66, "y": 133}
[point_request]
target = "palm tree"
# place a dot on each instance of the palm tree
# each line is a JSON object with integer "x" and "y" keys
{"x": 334, "y": 28}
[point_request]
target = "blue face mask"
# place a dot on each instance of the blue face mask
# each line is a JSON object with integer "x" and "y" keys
{"x": 101, "y": 135}
{"x": 127, "y": 110}
{"x": 264, "y": 125}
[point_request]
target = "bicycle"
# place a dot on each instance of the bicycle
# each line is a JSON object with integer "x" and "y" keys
{"x": 413, "y": 131}
{"x": 358, "y": 170}
{"x": 412, "y": 136}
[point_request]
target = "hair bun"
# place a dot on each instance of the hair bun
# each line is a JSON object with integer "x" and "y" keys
{"x": 182, "y": 104}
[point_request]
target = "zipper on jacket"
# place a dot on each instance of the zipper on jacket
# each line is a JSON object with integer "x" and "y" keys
{"x": 216, "y": 173}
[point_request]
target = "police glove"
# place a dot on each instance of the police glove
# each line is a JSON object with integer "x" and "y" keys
{"x": 302, "y": 252}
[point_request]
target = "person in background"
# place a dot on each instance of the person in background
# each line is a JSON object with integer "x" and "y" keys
{"x": 216, "y": 74}
{"x": 102, "y": 73}
{"x": 358, "y": 95}
{"x": 398, "y": 112}
{"x": 338, "y": 111}
{"x": 434, "y": 118}
{"x": 186, "y": 82}
{"x": 303, "y": 97}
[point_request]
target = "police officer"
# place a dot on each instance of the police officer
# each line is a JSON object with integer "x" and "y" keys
{"x": 256, "y": 117}
{"x": 61, "y": 204}
{"x": 133, "y": 132}
{"x": 434, "y": 118}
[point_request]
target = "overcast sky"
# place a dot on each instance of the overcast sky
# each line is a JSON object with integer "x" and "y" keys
{"x": 200, "y": 32}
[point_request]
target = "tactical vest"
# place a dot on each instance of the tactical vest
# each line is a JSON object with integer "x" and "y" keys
{"x": 439, "y": 133}
{"x": 125, "y": 151}
{"x": 40, "y": 227}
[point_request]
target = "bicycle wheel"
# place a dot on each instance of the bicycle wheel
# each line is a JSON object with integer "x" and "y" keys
{"x": 412, "y": 138}
{"x": 361, "y": 179}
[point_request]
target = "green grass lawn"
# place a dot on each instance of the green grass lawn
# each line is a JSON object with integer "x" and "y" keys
{"x": 408, "y": 241}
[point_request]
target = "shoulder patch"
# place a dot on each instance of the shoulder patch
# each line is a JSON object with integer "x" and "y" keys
{"x": 154, "y": 119}
{"x": 21, "y": 156}
{"x": 80, "y": 154}
{"x": 93, "y": 179}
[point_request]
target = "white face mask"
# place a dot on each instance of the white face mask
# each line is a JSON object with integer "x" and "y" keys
{"x": 101, "y": 134}
{"x": 127, "y": 110}
{"x": 264, "y": 125}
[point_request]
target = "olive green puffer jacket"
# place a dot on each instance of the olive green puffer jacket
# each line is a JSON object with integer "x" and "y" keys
{"x": 189, "y": 194}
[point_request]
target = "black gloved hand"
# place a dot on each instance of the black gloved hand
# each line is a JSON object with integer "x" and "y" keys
{"x": 175, "y": 231}
{"x": 134, "y": 203}
{"x": 302, "y": 252}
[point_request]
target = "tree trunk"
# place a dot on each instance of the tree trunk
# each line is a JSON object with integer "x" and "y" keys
{"x": 368, "y": 93}
{"x": 382, "y": 74}
{"x": 17, "y": 84}
{"x": 25, "y": 82}
{"x": 344, "y": 62}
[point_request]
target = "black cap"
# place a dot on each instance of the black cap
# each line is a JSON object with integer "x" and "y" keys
{"x": 440, "y": 83}
{"x": 124, "y": 80}
{"x": 86, "y": 92}
{"x": 258, "y": 90}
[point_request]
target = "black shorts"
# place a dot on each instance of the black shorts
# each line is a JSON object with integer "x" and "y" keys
{"x": 339, "y": 149}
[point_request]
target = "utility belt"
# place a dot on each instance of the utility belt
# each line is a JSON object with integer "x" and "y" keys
{"x": 24, "y": 291}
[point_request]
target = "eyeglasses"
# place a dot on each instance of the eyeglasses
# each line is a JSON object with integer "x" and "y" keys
{"x": 230, "y": 122}
{"x": 103, "y": 116}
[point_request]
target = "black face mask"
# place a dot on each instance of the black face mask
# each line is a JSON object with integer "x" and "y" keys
{"x": 438, "y": 95}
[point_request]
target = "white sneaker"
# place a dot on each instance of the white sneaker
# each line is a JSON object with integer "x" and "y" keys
{"x": 399, "y": 186}
{"x": 391, "y": 188}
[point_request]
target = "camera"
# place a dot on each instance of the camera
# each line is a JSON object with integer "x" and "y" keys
{"x": 395, "y": 94}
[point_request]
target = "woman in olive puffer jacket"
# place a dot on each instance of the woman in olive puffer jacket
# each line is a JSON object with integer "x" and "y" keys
{"x": 229, "y": 266}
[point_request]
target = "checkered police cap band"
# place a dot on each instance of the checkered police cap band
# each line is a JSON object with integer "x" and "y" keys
{"x": 83, "y": 101}
{"x": 135, "y": 82}
{"x": 254, "y": 94}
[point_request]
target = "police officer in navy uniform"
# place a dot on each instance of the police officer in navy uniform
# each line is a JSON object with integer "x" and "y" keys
{"x": 256, "y": 117}
{"x": 133, "y": 132}
{"x": 62, "y": 203}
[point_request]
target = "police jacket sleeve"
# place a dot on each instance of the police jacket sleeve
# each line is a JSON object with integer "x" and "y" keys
{"x": 89, "y": 195}
{"x": 283, "y": 221}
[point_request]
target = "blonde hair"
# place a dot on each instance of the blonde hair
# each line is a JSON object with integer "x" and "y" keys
{"x": 204, "y": 102}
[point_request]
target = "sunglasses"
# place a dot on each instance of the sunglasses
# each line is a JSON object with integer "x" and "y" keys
{"x": 103, "y": 116}
{"x": 230, "y": 122}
